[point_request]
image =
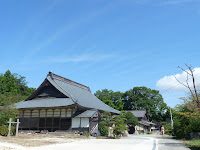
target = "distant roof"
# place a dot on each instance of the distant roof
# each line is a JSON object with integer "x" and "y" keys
{"x": 87, "y": 113}
{"x": 77, "y": 93}
{"x": 138, "y": 113}
{"x": 147, "y": 123}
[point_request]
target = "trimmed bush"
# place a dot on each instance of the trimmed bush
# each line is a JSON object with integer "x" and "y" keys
{"x": 3, "y": 130}
{"x": 104, "y": 131}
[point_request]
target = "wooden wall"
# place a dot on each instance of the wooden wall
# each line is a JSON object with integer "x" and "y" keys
{"x": 46, "y": 119}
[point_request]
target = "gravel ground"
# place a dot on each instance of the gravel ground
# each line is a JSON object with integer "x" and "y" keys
{"x": 137, "y": 142}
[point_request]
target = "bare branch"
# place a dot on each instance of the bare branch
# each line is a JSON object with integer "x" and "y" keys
{"x": 184, "y": 70}
{"x": 191, "y": 73}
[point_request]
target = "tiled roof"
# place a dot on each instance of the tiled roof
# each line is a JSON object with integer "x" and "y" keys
{"x": 138, "y": 113}
{"x": 47, "y": 102}
{"x": 147, "y": 123}
{"x": 87, "y": 113}
{"x": 77, "y": 93}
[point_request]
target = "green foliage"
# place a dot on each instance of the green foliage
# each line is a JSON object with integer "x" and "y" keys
{"x": 7, "y": 113}
{"x": 12, "y": 130}
{"x": 184, "y": 125}
{"x": 131, "y": 120}
{"x": 144, "y": 98}
{"x": 113, "y": 99}
{"x": 103, "y": 129}
{"x": 3, "y": 130}
{"x": 120, "y": 124}
{"x": 108, "y": 120}
{"x": 14, "y": 84}
{"x": 13, "y": 89}
{"x": 193, "y": 144}
{"x": 136, "y": 99}
{"x": 86, "y": 134}
{"x": 105, "y": 123}
{"x": 149, "y": 132}
{"x": 168, "y": 129}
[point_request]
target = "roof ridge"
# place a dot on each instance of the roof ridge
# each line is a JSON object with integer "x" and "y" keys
{"x": 63, "y": 79}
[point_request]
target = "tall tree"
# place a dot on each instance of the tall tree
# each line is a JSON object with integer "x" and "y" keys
{"x": 13, "y": 89}
{"x": 113, "y": 99}
{"x": 140, "y": 98}
{"x": 14, "y": 84}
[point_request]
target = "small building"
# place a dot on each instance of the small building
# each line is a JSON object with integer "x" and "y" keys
{"x": 144, "y": 124}
{"x": 61, "y": 104}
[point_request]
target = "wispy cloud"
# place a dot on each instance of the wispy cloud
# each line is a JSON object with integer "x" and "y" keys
{"x": 176, "y": 2}
{"x": 67, "y": 28}
{"x": 79, "y": 58}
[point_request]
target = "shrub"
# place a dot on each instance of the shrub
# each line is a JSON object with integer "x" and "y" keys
{"x": 86, "y": 133}
{"x": 3, "y": 130}
{"x": 12, "y": 130}
{"x": 131, "y": 120}
{"x": 149, "y": 132}
{"x": 104, "y": 131}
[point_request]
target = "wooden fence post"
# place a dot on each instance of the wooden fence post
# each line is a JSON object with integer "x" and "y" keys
{"x": 9, "y": 127}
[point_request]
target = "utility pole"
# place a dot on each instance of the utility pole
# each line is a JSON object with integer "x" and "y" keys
{"x": 171, "y": 118}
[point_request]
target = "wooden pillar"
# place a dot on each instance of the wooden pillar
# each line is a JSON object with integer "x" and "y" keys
{"x": 52, "y": 120}
{"x": 30, "y": 118}
{"x": 45, "y": 126}
{"x": 39, "y": 120}
{"x": 60, "y": 120}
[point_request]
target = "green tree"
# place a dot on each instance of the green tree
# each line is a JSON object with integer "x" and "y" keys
{"x": 120, "y": 124}
{"x": 105, "y": 123}
{"x": 13, "y": 89}
{"x": 14, "y": 84}
{"x": 183, "y": 124}
{"x": 145, "y": 98}
{"x": 131, "y": 120}
{"x": 113, "y": 99}
{"x": 108, "y": 120}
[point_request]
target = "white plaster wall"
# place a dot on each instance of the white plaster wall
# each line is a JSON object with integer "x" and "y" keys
{"x": 75, "y": 122}
{"x": 84, "y": 122}
{"x": 35, "y": 113}
{"x": 27, "y": 113}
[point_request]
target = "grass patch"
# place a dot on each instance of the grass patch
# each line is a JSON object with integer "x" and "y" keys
{"x": 193, "y": 144}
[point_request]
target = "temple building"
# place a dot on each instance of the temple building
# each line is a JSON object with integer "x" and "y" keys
{"x": 61, "y": 104}
{"x": 144, "y": 124}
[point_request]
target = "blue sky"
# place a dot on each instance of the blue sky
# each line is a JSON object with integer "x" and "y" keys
{"x": 113, "y": 44}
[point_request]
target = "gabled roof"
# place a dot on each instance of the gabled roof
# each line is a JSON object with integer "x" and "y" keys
{"x": 76, "y": 93}
{"x": 87, "y": 113}
{"x": 138, "y": 113}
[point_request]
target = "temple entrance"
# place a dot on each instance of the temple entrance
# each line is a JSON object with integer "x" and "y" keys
{"x": 131, "y": 130}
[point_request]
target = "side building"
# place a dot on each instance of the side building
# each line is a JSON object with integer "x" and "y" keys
{"x": 144, "y": 124}
{"x": 61, "y": 104}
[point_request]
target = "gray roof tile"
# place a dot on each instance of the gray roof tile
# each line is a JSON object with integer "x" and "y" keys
{"x": 80, "y": 95}
{"x": 87, "y": 114}
{"x": 48, "y": 102}
{"x": 138, "y": 113}
{"x": 77, "y": 93}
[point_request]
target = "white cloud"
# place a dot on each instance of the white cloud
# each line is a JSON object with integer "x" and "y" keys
{"x": 170, "y": 83}
{"x": 79, "y": 58}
